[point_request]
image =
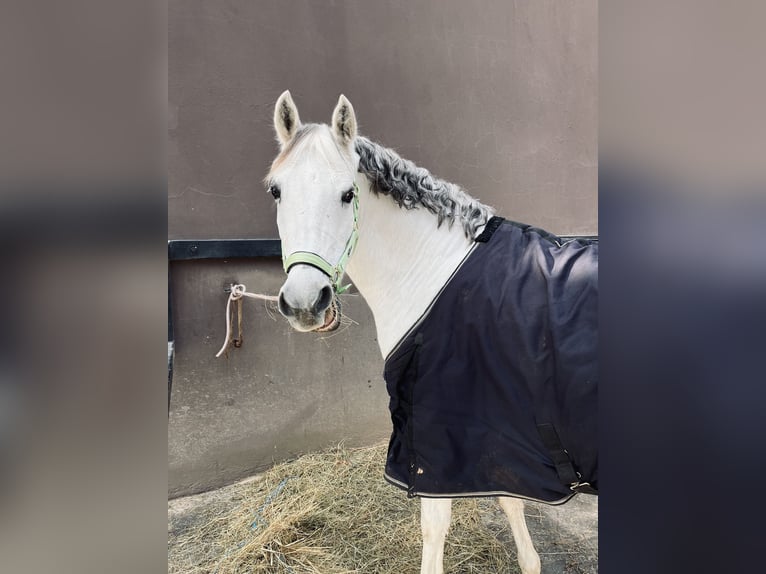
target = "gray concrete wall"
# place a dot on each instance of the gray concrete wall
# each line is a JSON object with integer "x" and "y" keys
{"x": 497, "y": 96}
{"x": 281, "y": 394}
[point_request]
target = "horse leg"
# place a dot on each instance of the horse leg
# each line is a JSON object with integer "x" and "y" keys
{"x": 435, "y": 516}
{"x": 529, "y": 561}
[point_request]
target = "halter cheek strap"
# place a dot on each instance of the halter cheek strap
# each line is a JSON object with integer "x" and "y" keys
{"x": 334, "y": 272}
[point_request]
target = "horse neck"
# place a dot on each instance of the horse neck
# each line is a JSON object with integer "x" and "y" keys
{"x": 401, "y": 262}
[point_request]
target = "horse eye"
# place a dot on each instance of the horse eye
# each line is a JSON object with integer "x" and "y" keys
{"x": 348, "y": 196}
{"x": 275, "y": 191}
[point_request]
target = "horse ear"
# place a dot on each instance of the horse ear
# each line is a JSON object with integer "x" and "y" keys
{"x": 286, "y": 120}
{"x": 344, "y": 121}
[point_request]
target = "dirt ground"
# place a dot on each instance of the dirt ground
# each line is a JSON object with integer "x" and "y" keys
{"x": 566, "y": 537}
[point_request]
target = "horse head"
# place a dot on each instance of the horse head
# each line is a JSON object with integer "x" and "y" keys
{"x": 313, "y": 183}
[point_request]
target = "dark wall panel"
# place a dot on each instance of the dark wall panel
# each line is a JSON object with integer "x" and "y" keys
{"x": 281, "y": 394}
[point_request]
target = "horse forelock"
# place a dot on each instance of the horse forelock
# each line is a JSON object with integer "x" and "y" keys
{"x": 411, "y": 186}
{"x": 308, "y": 137}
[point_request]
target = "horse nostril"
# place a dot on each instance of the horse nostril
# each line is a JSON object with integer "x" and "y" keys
{"x": 323, "y": 300}
{"x": 284, "y": 308}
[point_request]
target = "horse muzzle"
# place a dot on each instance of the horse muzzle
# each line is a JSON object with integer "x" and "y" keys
{"x": 307, "y": 320}
{"x": 319, "y": 311}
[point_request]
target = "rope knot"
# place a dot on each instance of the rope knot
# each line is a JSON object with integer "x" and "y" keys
{"x": 236, "y": 292}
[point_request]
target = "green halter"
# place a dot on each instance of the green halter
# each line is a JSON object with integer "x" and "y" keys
{"x": 335, "y": 273}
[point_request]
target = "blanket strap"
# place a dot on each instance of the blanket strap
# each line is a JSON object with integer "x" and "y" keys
{"x": 564, "y": 467}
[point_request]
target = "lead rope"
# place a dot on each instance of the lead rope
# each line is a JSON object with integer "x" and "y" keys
{"x": 237, "y": 292}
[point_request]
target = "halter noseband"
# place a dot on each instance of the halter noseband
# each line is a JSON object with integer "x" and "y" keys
{"x": 335, "y": 273}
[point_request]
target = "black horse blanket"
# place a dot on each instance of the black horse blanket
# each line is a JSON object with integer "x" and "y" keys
{"x": 494, "y": 390}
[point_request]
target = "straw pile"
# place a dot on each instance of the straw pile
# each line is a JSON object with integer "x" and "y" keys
{"x": 327, "y": 513}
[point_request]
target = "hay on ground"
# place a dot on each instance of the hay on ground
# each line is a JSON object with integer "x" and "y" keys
{"x": 326, "y": 513}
